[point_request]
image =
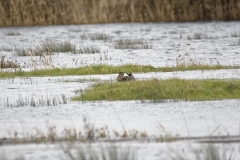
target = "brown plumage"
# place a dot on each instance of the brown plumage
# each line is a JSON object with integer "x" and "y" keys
{"x": 120, "y": 76}
{"x": 124, "y": 78}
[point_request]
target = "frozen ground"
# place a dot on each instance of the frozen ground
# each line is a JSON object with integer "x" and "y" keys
{"x": 218, "y": 42}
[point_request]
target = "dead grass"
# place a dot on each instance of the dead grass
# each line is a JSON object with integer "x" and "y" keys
{"x": 8, "y": 63}
{"x": 51, "y": 12}
{"x": 89, "y": 132}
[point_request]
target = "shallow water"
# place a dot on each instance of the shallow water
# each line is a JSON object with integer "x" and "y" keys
{"x": 141, "y": 151}
{"x": 218, "y": 43}
{"x": 204, "y": 118}
{"x": 59, "y": 87}
{"x": 205, "y": 42}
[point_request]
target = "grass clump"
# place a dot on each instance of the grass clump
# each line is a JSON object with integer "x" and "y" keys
{"x": 10, "y": 33}
{"x": 128, "y": 43}
{"x": 8, "y": 63}
{"x": 85, "y": 70}
{"x": 97, "y": 152}
{"x": 87, "y": 50}
{"x": 198, "y": 36}
{"x": 23, "y": 51}
{"x": 108, "y": 69}
{"x": 235, "y": 34}
{"x": 99, "y": 36}
{"x": 35, "y": 101}
{"x": 46, "y": 46}
{"x": 56, "y": 47}
{"x": 236, "y": 43}
{"x": 206, "y": 152}
{"x": 64, "y": 46}
{"x": 88, "y": 133}
{"x": 5, "y": 48}
{"x": 163, "y": 89}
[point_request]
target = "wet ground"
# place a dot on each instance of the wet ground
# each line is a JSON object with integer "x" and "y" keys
{"x": 204, "y": 42}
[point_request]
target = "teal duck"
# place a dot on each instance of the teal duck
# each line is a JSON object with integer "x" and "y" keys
{"x": 130, "y": 77}
{"x": 120, "y": 76}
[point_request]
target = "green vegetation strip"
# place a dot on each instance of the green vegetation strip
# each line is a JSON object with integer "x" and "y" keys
{"x": 154, "y": 89}
{"x": 108, "y": 69}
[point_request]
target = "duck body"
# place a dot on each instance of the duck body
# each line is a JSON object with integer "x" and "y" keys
{"x": 122, "y": 78}
{"x": 131, "y": 77}
{"x": 125, "y": 78}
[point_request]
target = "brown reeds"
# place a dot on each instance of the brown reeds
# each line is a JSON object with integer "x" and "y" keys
{"x": 51, "y": 12}
{"x": 8, "y": 63}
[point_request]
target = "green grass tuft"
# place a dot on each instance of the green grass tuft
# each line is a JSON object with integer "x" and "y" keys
{"x": 108, "y": 69}
{"x": 163, "y": 89}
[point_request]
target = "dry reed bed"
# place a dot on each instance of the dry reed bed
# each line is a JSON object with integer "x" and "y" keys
{"x": 49, "y": 12}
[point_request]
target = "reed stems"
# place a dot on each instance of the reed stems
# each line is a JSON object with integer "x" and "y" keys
{"x": 52, "y": 12}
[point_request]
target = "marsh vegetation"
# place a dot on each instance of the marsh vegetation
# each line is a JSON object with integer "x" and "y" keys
{"x": 176, "y": 89}
{"x": 129, "y": 43}
{"x": 106, "y": 69}
{"x": 181, "y": 75}
{"x": 22, "y": 13}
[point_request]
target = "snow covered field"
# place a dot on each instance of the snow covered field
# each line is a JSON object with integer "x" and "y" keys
{"x": 205, "y": 42}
